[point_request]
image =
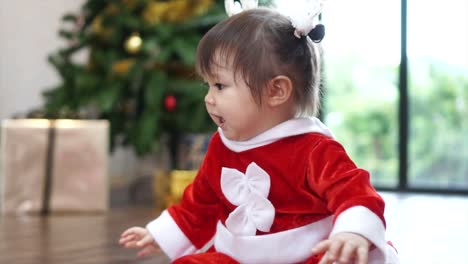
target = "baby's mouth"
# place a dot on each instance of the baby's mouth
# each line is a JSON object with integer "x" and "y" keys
{"x": 220, "y": 119}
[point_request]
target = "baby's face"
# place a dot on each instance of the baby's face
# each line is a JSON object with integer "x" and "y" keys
{"x": 231, "y": 105}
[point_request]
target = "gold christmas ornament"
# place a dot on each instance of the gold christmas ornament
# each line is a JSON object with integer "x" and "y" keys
{"x": 96, "y": 25}
{"x": 174, "y": 11}
{"x": 179, "y": 11}
{"x": 202, "y": 6}
{"x": 133, "y": 43}
{"x": 99, "y": 29}
{"x": 121, "y": 67}
{"x": 155, "y": 12}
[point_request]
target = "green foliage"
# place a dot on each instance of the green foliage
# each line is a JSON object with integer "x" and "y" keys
{"x": 362, "y": 112}
{"x": 362, "y": 119}
{"x": 129, "y": 86}
{"x": 439, "y": 115}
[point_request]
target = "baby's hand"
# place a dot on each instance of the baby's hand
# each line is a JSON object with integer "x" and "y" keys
{"x": 138, "y": 237}
{"x": 343, "y": 248}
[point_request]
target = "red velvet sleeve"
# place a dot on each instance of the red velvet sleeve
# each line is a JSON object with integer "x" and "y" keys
{"x": 198, "y": 211}
{"x": 335, "y": 178}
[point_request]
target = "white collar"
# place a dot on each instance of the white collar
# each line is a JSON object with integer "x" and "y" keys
{"x": 292, "y": 127}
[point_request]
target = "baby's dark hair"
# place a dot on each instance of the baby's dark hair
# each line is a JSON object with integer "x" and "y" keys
{"x": 260, "y": 44}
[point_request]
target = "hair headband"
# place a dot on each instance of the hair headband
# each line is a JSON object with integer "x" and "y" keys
{"x": 303, "y": 15}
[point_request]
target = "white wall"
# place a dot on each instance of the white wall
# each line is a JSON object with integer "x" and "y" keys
{"x": 28, "y": 33}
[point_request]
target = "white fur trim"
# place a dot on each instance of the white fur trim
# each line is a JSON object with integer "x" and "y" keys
{"x": 391, "y": 256}
{"x": 289, "y": 246}
{"x": 289, "y": 128}
{"x": 170, "y": 237}
{"x": 362, "y": 221}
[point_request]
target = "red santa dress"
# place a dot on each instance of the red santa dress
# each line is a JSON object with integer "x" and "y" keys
{"x": 271, "y": 199}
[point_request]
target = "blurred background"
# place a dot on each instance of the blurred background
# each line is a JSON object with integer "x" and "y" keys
{"x": 397, "y": 89}
{"x": 395, "y": 94}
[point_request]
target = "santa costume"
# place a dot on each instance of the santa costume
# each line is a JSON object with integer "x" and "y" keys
{"x": 271, "y": 199}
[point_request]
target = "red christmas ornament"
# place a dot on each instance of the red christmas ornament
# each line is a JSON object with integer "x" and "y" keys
{"x": 170, "y": 103}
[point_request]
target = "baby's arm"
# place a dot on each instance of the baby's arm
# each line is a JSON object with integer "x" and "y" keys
{"x": 139, "y": 237}
{"x": 343, "y": 248}
{"x": 349, "y": 194}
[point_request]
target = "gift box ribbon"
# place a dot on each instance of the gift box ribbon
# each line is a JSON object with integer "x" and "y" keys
{"x": 49, "y": 165}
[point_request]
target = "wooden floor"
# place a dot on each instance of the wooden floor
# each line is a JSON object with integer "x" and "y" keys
{"x": 426, "y": 229}
{"x": 71, "y": 239}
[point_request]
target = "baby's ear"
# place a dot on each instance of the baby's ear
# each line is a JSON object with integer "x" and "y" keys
{"x": 279, "y": 90}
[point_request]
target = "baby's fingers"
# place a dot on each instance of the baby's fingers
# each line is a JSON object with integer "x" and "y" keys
{"x": 133, "y": 231}
{"x": 149, "y": 250}
{"x": 362, "y": 255}
{"x": 332, "y": 253}
{"x": 125, "y": 239}
{"x": 145, "y": 240}
{"x": 131, "y": 244}
{"x": 347, "y": 253}
{"x": 321, "y": 247}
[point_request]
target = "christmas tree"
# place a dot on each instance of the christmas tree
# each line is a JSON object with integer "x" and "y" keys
{"x": 139, "y": 73}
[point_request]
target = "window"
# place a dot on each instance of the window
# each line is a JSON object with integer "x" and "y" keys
{"x": 410, "y": 130}
{"x": 438, "y": 94}
{"x": 361, "y": 58}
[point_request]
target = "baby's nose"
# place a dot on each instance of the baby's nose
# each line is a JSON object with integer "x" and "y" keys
{"x": 209, "y": 97}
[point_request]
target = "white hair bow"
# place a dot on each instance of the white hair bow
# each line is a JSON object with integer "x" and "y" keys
{"x": 303, "y": 14}
{"x": 233, "y": 7}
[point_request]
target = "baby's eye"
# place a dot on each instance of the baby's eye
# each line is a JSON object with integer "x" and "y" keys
{"x": 220, "y": 86}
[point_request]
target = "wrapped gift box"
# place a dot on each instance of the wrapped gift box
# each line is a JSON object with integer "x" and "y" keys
{"x": 54, "y": 166}
{"x": 169, "y": 186}
{"x": 191, "y": 150}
